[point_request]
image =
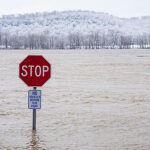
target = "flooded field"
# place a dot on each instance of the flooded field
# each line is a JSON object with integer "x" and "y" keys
{"x": 95, "y": 100}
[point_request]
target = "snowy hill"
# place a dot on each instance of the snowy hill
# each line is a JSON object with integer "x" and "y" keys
{"x": 62, "y": 23}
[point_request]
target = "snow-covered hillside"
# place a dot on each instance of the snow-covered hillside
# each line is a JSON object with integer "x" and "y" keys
{"x": 62, "y": 23}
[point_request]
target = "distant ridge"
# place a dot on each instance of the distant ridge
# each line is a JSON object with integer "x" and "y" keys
{"x": 65, "y": 22}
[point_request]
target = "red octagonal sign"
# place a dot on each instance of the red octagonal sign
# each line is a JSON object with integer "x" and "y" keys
{"x": 34, "y": 70}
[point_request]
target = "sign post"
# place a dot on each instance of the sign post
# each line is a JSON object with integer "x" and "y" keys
{"x": 34, "y": 102}
{"x": 34, "y": 70}
{"x": 34, "y": 116}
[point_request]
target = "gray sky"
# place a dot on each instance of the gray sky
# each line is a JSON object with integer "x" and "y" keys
{"x": 121, "y": 8}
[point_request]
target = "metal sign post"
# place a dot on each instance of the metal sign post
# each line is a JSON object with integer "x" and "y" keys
{"x": 34, "y": 102}
{"x": 34, "y": 116}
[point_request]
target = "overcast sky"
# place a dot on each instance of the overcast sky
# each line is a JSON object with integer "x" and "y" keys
{"x": 121, "y": 8}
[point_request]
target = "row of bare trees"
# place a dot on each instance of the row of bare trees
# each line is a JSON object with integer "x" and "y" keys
{"x": 94, "y": 40}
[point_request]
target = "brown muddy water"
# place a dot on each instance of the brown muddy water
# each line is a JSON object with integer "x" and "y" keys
{"x": 95, "y": 100}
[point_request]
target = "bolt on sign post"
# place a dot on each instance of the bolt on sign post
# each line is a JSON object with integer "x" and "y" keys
{"x": 34, "y": 70}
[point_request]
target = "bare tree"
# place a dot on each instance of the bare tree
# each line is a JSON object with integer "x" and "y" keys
{"x": 6, "y": 39}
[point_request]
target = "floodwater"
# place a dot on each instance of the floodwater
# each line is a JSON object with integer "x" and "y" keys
{"x": 95, "y": 100}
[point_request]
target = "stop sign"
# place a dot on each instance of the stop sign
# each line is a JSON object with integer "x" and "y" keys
{"x": 34, "y": 70}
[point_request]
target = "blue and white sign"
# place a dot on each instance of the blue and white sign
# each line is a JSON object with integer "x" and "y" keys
{"x": 34, "y": 99}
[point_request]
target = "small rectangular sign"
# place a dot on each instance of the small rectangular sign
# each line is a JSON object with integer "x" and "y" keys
{"x": 34, "y": 99}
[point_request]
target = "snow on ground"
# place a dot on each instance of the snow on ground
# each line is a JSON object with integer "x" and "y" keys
{"x": 94, "y": 100}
